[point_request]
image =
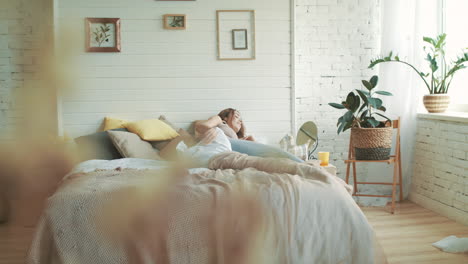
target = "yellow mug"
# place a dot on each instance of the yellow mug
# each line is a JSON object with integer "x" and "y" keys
{"x": 324, "y": 157}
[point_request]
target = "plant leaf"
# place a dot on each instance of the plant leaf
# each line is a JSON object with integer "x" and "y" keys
{"x": 367, "y": 84}
{"x": 340, "y": 128}
{"x": 440, "y": 41}
{"x": 383, "y": 93}
{"x": 364, "y": 113}
{"x": 378, "y": 102}
{"x": 363, "y": 94}
{"x": 433, "y": 62}
{"x": 372, "y": 102}
{"x": 375, "y": 79}
{"x": 429, "y": 40}
{"x": 356, "y": 104}
{"x": 348, "y": 126}
{"x": 375, "y": 62}
{"x": 423, "y": 74}
{"x": 348, "y": 117}
{"x": 362, "y": 107}
{"x": 350, "y": 101}
{"x": 339, "y": 121}
{"x": 462, "y": 59}
{"x": 382, "y": 108}
{"x": 337, "y": 106}
{"x": 373, "y": 122}
{"x": 383, "y": 116}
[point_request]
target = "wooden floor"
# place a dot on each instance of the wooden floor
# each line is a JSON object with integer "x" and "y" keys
{"x": 405, "y": 236}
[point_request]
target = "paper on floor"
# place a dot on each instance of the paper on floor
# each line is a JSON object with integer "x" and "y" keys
{"x": 452, "y": 244}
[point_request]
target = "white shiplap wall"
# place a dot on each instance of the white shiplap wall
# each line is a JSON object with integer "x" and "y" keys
{"x": 175, "y": 72}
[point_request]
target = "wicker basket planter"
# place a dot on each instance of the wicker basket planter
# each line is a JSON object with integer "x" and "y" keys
{"x": 372, "y": 143}
{"x": 436, "y": 103}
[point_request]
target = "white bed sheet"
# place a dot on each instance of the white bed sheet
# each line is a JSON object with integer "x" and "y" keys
{"x": 125, "y": 163}
{"x": 314, "y": 218}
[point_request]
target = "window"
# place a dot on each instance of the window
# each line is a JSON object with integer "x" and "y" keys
{"x": 454, "y": 25}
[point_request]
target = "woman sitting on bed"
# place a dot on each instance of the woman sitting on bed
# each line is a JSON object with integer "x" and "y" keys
{"x": 211, "y": 135}
{"x": 229, "y": 121}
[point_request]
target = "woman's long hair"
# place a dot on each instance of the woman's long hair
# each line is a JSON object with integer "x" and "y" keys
{"x": 225, "y": 117}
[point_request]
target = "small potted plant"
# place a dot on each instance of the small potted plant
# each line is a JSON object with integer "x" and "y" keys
{"x": 437, "y": 83}
{"x": 372, "y": 139}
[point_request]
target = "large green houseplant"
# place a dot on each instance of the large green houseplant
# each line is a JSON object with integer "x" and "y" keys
{"x": 437, "y": 82}
{"x": 372, "y": 138}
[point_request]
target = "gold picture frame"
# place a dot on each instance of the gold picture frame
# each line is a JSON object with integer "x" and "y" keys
{"x": 175, "y": 21}
{"x": 102, "y": 34}
{"x": 225, "y": 35}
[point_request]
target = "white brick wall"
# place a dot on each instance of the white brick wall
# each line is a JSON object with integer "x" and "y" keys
{"x": 441, "y": 165}
{"x": 19, "y": 37}
{"x": 25, "y": 38}
{"x": 335, "y": 40}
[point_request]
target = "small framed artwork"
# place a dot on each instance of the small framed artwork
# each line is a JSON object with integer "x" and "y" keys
{"x": 235, "y": 34}
{"x": 102, "y": 34}
{"x": 174, "y": 21}
{"x": 239, "y": 39}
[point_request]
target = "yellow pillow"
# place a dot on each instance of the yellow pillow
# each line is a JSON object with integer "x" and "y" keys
{"x": 113, "y": 123}
{"x": 152, "y": 130}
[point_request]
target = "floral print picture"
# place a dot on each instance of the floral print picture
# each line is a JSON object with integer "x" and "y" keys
{"x": 174, "y": 21}
{"x": 102, "y": 34}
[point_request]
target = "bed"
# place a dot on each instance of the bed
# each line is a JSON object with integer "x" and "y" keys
{"x": 240, "y": 209}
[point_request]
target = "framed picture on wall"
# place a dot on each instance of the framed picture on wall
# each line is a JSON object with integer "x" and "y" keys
{"x": 239, "y": 39}
{"x": 174, "y": 21}
{"x": 102, "y": 34}
{"x": 235, "y": 34}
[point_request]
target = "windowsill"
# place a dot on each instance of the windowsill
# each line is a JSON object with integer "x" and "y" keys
{"x": 447, "y": 116}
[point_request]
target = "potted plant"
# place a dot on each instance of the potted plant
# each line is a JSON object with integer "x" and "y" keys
{"x": 437, "y": 83}
{"x": 372, "y": 139}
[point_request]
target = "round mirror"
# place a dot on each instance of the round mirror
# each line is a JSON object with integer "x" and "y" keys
{"x": 307, "y": 134}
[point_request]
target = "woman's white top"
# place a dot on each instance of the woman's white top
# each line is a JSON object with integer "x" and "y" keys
{"x": 201, "y": 153}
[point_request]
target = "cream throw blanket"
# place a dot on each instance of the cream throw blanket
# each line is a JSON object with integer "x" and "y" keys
{"x": 302, "y": 215}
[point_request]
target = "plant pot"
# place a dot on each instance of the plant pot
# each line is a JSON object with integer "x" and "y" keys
{"x": 372, "y": 143}
{"x": 436, "y": 103}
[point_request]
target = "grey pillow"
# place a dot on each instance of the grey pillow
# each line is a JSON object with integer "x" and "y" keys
{"x": 130, "y": 145}
{"x": 164, "y": 119}
{"x": 97, "y": 146}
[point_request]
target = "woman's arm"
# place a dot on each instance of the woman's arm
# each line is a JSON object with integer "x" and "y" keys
{"x": 204, "y": 132}
{"x": 249, "y": 138}
{"x": 204, "y": 129}
{"x": 169, "y": 151}
{"x": 201, "y": 126}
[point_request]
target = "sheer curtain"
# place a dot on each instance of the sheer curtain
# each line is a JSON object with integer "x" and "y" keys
{"x": 404, "y": 23}
{"x": 457, "y": 40}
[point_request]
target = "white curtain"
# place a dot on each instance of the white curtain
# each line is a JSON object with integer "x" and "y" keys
{"x": 404, "y": 23}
